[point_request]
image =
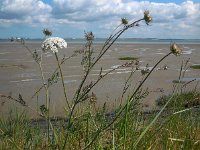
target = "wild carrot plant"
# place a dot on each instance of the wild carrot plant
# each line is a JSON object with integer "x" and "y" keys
{"x": 123, "y": 128}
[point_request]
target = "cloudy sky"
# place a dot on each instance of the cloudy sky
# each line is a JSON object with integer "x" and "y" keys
{"x": 70, "y": 18}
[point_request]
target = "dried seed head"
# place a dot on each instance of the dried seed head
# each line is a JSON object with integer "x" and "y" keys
{"x": 124, "y": 21}
{"x": 147, "y": 17}
{"x": 93, "y": 98}
{"x": 89, "y": 36}
{"x": 175, "y": 49}
{"x": 46, "y": 32}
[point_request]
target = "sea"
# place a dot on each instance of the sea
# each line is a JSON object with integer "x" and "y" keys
{"x": 122, "y": 40}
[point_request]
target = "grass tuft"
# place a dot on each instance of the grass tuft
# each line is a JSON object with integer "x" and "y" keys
{"x": 180, "y": 101}
{"x": 128, "y": 58}
{"x": 177, "y": 81}
{"x": 195, "y": 66}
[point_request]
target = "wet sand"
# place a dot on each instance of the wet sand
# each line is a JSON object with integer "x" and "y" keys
{"x": 20, "y": 74}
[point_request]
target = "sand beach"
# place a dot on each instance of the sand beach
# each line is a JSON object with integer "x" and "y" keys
{"x": 19, "y": 74}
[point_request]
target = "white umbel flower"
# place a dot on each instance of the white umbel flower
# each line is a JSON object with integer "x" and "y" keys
{"x": 53, "y": 44}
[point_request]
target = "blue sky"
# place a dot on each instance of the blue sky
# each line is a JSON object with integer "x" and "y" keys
{"x": 70, "y": 18}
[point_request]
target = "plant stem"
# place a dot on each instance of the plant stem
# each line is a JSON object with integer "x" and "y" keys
{"x": 62, "y": 62}
{"x": 152, "y": 122}
{"x": 129, "y": 101}
{"x": 62, "y": 79}
{"x": 102, "y": 52}
{"x": 47, "y": 96}
{"x": 45, "y": 85}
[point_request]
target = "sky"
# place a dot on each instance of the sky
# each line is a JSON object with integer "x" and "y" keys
{"x": 71, "y": 18}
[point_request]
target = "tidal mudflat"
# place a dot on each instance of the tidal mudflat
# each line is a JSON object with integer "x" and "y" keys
{"x": 20, "y": 74}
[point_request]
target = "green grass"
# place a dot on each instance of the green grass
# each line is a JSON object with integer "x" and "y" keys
{"x": 195, "y": 66}
{"x": 177, "y": 81}
{"x": 180, "y": 101}
{"x": 128, "y": 58}
{"x": 19, "y": 132}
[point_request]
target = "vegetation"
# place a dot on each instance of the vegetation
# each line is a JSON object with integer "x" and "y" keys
{"x": 195, "y": 66}
{"x": 177, "y": 81}
{"x": 128, "y": 58}
{"x": 126, "y": 127}
{"x": 180, "y": 101}
{"x": 18, "y": 132}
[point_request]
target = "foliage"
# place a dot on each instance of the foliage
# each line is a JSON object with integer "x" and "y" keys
{"x": 183, "y": 100}
{"x": 195, "y": 66}
{"x": 128, "y": 58}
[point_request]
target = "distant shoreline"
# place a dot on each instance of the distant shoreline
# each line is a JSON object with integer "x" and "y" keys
{"x": 121, "y": 40}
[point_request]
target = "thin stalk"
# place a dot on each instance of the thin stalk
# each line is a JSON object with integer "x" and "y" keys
{"x": 62, "y": 62}
{"x": 25, "y": 105}
{"x": 108, "y": 40}
{"x": 180, "y": 73}
{"x": 62, "y": 79}
{"x": 45, "y": 85}
{"x": 89, "y": 55}
{"x": 126, "y": 86}
{"x": 152, "y": 122}
{"x": 129, "y": 101}
{"x": 47, "y": 97}
{"x": 125, "y": 126}
{"x": 102, "y": 52}
{"x": 87, "y": 132}
{"x": 96, "y": 82}
{"x": 113, "y": 138}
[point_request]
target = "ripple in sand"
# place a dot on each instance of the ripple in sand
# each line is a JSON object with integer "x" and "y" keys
{"x": 69, "y": 81}
{"x": 17, "y": 60}
{"x": 115, "y": 66}
{"x": 48, "y": 55}
{"x": 190, "y": 79}
{"x": 24, "y": 80}
{"x": 187, "y": 52}
{"x": 26, "y": 75}
{"x": 11, "y": 66}
{"x": 105, "y": 70}
{"x": 160, "y": 53}
{"x": 3, "y": 53}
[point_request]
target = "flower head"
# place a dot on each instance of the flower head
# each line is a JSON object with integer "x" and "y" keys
{"x": 53, "y": 44}
{"x": 147, "y": 17}
{"x": 175, "y": 49}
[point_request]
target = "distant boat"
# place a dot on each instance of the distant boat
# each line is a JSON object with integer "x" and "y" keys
{"x": 16, "y": 39}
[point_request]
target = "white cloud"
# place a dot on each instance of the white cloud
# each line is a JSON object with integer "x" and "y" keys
{"x": 102, "y": 14}
{"x": 24, "y": 10}
{"x": 93, "y": 10}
